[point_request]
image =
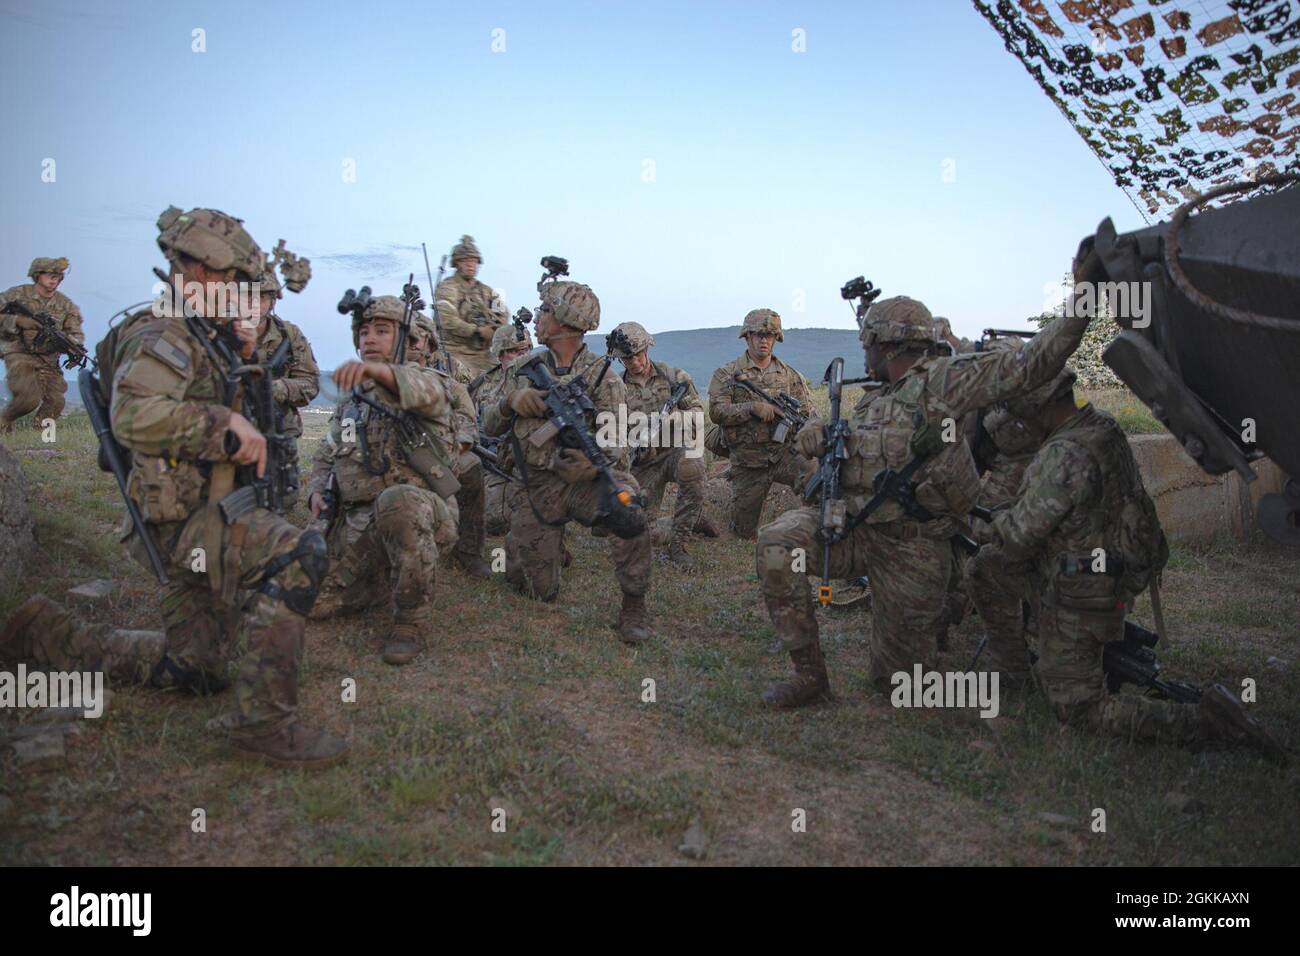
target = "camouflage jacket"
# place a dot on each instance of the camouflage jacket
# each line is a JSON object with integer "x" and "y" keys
{"x": 298, "y": 382}
{"x": 539, "y": 452}
{"x": 649, "y": 398}
{"x": 456, "y": 379}
{"x": 423, "y": 393}
{"x": 488, "y": 387}
{"x": 937, "y": 392}
{"x": 58, "y": 306}
{"x": 1071, "y": 500}
{"x": 732, "y": 407}
{"x": 470, "y": 312}
{"x": 168, "y": 409}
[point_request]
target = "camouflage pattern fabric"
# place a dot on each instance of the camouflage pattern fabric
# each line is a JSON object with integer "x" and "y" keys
{"x": 749, "y": 487}
{"x": 33, "y": 373}
{"x": 1173, "y": 101}
{"x": 471, "y": 312}
{"x": 166, "y": 410}
{"x": 655, "y": 467}
{"x": 299, "y": 382}
{"x": 909, "y": 577}
{"x": 535, "y": 549}
{"x": 60, "y": 642}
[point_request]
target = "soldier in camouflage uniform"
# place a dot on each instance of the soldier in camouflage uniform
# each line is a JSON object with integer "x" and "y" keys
{"x": 189, "y": 449}
{"x": 649, "y": 385}
{"x": 32, "y": 371}
{"x": 562, "y": 485}
{"x": 907, "y": 557}
{"x": 298, "y": 380}
{"x": 471, "y": 312}
{"x": 388, "y": 520}
{"x": 486, "y": 389}
{"x": 749, "y": 426}
{"x": 1084, "y": 537}
{"x": 425, "y": 350}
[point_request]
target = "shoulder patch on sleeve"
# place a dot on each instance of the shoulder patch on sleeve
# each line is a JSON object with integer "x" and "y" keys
{"x": 170, "y": 351}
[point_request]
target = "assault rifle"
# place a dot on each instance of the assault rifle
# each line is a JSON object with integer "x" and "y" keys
{"x": 488, "y": 450}
{"x": 787, "y": 406}
{"x": 1131, "y": 660}
{"x": 674, "y": 398}
{"x": 50, "y": 336}
{"x": 826, "y": 482}
{"x": 567, "y": 408}
{"x": 422, "y": 451}
{"x": 114, "y": 458}
{"x": 437, "y": 317}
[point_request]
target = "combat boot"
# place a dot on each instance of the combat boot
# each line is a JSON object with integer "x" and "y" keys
{"x": 403, "y": 644}
{"x": 16, "y": 640}
{"x": 472, "y": 564}
{"x": 705, "y": 527}
{"x": 809, "y": 683}
{"x": 293, "y": 746}
{"x": 632, "y": 624}
{"x": 1223, "y": 717}
{"x": 678, "y": 556}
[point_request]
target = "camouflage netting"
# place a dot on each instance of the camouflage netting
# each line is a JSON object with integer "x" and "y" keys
{"x": 1086, "y": 361}
{"x": 1174, "y": 96}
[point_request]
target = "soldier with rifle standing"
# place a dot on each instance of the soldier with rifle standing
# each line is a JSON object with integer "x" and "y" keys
{"x": 760, "y": 404}
{"x": 38, "y": 324}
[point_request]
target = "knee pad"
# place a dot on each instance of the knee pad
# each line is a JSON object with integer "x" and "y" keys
{"x": 312, "y": 555}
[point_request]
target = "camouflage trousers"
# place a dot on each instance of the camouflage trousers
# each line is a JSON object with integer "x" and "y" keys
{"x": 909, "y": 578}
{"x": 470, "y": 503}
{"x": 688, "y": 473}
{"x": 201, "y": 634}
{"x": 1069, "y": 669}
{"x": 535, "y": 546}
{"x": 749, "y": 487}
{"x": 496, "y": 510}
{"x": 386, "y": 552}
{"x": 35, "y": 384}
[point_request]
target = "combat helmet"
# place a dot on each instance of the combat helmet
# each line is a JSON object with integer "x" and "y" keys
{"x": 897, "y": 320}
{"x": 42, "y": 264}
{"x": 269, "y": 284}
{"x": 628, "y": 339}
{"x": 211, "y": 237}
{"x": 762, "y": 320}
{"x": 466, "y": 249}
{"x": 573, "y": 304}
{"x": 507, "y": 337}
{"x": 380, "y": 307}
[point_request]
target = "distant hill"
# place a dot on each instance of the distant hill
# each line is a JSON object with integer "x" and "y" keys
{"x": 700, "y": 351}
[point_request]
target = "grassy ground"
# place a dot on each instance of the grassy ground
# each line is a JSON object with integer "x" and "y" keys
{"x": 537, "y": 709}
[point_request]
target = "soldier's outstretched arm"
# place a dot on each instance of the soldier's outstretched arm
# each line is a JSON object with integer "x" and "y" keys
{"x": 972, "y": 380}
{"x": 148, "y": 413}
{"x": 420, "y": 390}
{"x": 1059, "y": 480}
{"x": 723, "y": 411}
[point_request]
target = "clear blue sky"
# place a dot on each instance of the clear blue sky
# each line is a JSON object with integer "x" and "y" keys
{"x": 775, "y": 171}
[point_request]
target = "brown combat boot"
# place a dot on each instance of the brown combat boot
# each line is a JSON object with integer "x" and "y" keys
{"x": 632, "y": 624}
{"x": 678, "y": 556}
{"x": 809, "y": 683}
{"x": 472, "y": 564}
{"x": 705, "y": 527}
{"x": 15, "y": 640}
{"x": 403, "y": 645}
{"x": 293, "y": 746}
{"x": 1223, "y": 716}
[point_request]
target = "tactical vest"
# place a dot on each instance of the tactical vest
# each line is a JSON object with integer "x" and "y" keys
{"x": 373, "y": 460}
{"x": 540, "y": 454}
{"x": 750, "y": 442}
{"x": 881, "y": 437}
{"x": 1121, "y": 520}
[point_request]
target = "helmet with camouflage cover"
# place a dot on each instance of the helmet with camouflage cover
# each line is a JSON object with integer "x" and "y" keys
{"x": 52, "y": 266}
{"x": 506, "y": 338}
{"x": 628, "y": 339}
{"x": 211, "y": 237}
{"x": 573, "y": 304}
{"x": 269, "y": 284}
{"x": 380, "y": 307}
{"x": 1030, "y": 403}
{"x": 762, "y": 320}
{"x": 466, "y": 249}
{"x": 897, "y": 320}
